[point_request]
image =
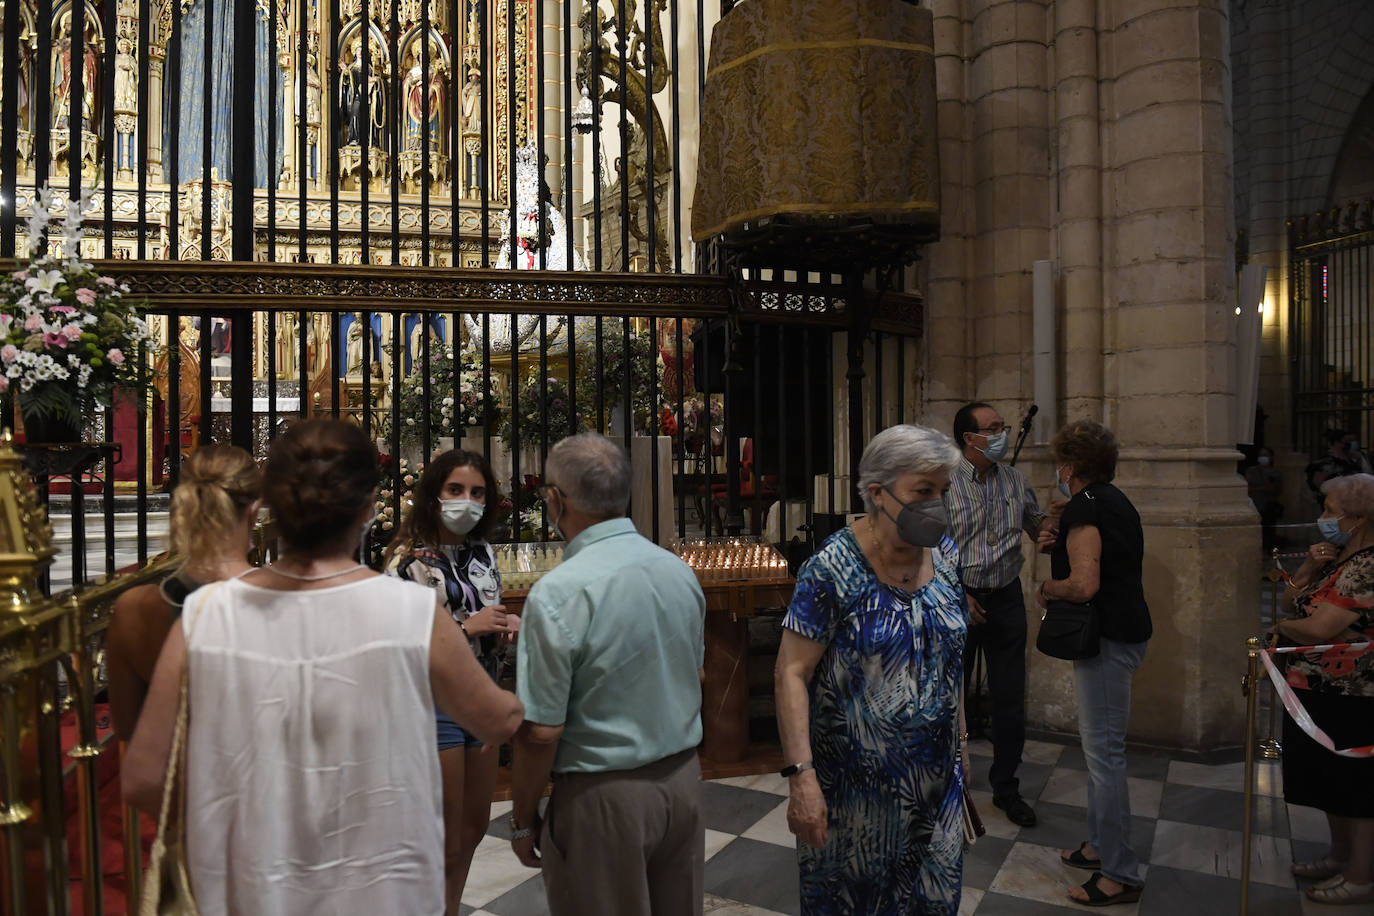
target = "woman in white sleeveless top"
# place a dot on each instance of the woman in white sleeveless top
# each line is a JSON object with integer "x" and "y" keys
{"x": 312, "y": 781}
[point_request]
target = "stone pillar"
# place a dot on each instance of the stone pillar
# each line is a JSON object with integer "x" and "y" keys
{"x": 1079, "y": 193}
{"x": 552, "y": 100}
{"x": 1110, "y": 154}
{"x": 948, "y": 373}
{"x": 1011, "y": 191}
{"x": 1168, "y": 347}
{"x": 157, "y": 56}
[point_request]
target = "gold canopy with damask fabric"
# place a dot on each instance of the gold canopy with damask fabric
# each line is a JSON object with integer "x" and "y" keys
{"x": 816, "y": 111}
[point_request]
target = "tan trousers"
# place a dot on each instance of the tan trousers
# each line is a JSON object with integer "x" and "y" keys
{"x": 626, "y": 842}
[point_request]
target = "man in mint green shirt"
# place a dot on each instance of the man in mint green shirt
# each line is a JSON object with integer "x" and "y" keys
{"x": 611, "y": 646}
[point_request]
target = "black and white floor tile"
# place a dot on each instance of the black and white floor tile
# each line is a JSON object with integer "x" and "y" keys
{"x": 1187, "y": 821}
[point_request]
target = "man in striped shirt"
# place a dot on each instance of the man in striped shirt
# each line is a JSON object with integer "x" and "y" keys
{"x": 989, "y": 505}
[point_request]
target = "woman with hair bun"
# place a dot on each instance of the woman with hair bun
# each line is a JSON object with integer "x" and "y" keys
{"x": 212, "y": 513}
{"x": 442, "y": 545}
{"x": 311, "y": 780}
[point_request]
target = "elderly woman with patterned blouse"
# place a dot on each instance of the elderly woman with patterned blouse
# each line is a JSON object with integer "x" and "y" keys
{"x": 868, "y": 694}
{"x": 1332, "y": 594}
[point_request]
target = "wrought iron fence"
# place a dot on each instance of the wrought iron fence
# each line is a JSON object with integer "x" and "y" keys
{"x": 1331, "y": 322}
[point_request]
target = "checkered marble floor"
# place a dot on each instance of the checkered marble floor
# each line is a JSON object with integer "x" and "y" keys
{"x": 1187, "y": 826}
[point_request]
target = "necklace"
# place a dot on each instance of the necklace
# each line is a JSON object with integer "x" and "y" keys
{"x": 286, "y": 575}
{"x": 878, "y": 542}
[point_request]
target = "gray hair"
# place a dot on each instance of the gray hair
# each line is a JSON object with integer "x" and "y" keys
{"x": 1356, "y": 493}
{"x": 904, "y": 449}
{"x": 592, "y": 472}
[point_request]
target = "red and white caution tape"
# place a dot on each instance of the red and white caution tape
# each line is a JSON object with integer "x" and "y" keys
{"x": 1284, "y": 650}
{"x": 1295, "y": 707}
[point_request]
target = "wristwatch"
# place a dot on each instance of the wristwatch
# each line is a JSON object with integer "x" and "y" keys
{"x": 795, "y": 768}
{"x": 519, "y": 833}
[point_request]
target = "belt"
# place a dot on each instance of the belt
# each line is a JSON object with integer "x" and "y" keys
{"x": 978, "y": 592}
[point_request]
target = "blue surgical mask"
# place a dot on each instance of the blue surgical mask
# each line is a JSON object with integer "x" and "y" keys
{"x": 1064, "y": 486}
{"x": 1331, "y": 532}
{"x": 997, "y": 447}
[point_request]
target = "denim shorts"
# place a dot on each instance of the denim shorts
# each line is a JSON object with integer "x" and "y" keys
{"x": 451, "y": 734}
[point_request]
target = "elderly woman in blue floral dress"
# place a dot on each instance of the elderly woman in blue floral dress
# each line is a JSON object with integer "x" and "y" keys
{"x": 868, "y": 694}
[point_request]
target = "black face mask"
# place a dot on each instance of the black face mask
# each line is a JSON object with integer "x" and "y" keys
{"x": 920, "y": 523}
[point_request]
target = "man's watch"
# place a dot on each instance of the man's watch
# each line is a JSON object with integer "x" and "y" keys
{"x": 519, "y": 833}
{"x": 795, "y": 768}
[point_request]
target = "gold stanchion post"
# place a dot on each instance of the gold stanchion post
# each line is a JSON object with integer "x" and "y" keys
{"x": 1270, "y": 748}
{"x": 33, "y": 634}
{"x": 1249, "y": 686}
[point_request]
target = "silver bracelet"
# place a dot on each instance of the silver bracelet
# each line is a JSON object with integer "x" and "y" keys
{"x": 519, "y": 833}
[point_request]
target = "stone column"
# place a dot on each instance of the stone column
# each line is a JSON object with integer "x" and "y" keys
{"x": 1079, "y": 227}
{"x": 1167, "y": 387}
{"x": 945, "y": 360}
{"x": 552, "y": 99}
{"x": 1012, "y": 197}
{"x": 157, "y": 56}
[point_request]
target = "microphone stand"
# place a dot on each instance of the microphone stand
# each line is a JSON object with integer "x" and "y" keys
{"x": 1025, "y": 431}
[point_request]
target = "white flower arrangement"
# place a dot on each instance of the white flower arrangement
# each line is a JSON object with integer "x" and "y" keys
{"x": 61, "y": 323}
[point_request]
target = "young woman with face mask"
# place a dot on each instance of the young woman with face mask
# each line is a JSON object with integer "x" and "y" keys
{"x": 442, "y": 544}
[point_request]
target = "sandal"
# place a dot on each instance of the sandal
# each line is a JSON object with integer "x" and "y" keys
{"x": 1318, "y": 869}
{"x": 1130, "y": 893}
{"x": 1076, "y": 859}
{"x": 1340, "y": 891}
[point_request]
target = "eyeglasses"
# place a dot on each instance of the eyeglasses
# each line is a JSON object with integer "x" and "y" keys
{"x": 994, "y": 428}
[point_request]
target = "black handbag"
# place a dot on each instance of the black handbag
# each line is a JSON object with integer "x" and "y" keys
{"x": 1069, "y": 630}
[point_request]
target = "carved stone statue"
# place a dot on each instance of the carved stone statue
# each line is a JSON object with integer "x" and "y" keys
{"x": 62, "y": 71}
{"x": 90, "y": 89}
{"x": 312, "y": 114}
{"x": 126, "y": 78}
{"x": 352, "y": 104}
{"x": 125, "y": 106}
{"x": 471, "y": 133}
{"x": 376, "y": 98}
{"x": 288, "y": 345}
{"x": 355, "y": 346}
{"x": 413, "y": 91}
{"x": 438, "y": 107}
{"x": 436, "y": 342}
{"x": 22, "y": 84}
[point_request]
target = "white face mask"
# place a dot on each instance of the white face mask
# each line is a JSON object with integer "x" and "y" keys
{"x": 1265, "y": 461}
{"x": 460, "y": 515}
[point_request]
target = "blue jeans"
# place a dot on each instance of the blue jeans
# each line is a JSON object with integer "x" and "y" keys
{"x": 1103, "y": 685}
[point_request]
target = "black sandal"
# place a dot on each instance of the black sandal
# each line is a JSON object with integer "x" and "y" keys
{"x": 1130, "y": 893}
{"x": 1076, "y": 859}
